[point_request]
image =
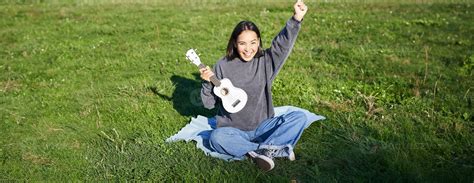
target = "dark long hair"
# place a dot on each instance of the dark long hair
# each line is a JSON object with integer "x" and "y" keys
{"x": 239, "y": 28}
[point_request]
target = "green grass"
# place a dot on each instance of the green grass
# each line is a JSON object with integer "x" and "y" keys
{"x": 91, "y": 91}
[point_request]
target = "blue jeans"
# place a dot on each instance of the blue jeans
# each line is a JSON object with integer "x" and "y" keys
{"x": 277, "y": 132}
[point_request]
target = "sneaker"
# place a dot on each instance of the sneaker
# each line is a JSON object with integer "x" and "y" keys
{"x": 273, "y": 152}
{"x": 292, "y": 156}
{"x": 263, "y": 162}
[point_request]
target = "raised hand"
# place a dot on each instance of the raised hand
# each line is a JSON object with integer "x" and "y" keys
{"x": 300, "y": 10}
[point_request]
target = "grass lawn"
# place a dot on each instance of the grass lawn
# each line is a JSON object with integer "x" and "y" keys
{"x": 90, "y": 91}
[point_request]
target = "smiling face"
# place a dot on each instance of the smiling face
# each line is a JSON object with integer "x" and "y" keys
{"x": 247, "y": 45}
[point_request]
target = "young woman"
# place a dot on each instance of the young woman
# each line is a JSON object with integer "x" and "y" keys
{"x": 254, "y": 131}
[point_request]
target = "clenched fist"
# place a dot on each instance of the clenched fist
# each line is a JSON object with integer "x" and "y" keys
{"x": 300, "y": 10}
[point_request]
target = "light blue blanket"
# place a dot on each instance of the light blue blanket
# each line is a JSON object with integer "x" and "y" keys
{"x": 200, "y": 128}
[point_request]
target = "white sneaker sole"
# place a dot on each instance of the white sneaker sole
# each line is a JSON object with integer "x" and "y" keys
{"x": 263, "y": 162}
{"x": 292, "y": 156}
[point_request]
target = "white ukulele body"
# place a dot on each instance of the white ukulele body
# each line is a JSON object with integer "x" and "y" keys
{"x": 233, "y": 99}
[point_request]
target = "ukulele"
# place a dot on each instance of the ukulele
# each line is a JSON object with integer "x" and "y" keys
{"x": 233, "y": 98}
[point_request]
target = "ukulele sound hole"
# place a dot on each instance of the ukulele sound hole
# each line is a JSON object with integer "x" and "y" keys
{"x": 224, "y": 91}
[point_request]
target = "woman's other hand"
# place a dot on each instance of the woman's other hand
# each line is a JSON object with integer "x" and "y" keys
{"x": 300, "y": 10}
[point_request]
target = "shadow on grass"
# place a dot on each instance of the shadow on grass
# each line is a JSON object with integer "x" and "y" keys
{"x": 186, "y": 98}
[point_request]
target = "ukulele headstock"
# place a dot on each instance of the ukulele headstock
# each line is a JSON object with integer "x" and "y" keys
{"x": 192, "y": 56}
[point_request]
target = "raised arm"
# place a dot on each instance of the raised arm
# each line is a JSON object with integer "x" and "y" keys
{"x": 284, "y": 41}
